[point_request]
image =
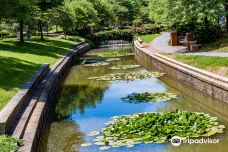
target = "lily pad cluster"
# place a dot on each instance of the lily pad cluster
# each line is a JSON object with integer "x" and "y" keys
{"x": 129, "y": 130}
{"x": 112, "y": 54}
{"x": 97, "y": 64}
{"x": 149, "y": 97}
{"x": 8, "y": 143}
{"x": 124, "y": 67}
{"x": 112, "y": 59}
{"x": 127, "y": 76}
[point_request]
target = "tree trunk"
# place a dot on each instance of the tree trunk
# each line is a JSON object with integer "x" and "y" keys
{"x": 21, "y": 31}
{"x": 41, "y": 30}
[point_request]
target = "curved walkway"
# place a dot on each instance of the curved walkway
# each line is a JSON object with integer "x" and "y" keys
{"x": 161, "y": 44}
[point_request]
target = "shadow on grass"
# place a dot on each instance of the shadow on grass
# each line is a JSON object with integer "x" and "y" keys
{"x": 14, "y": 72}
{"x": 51, "y": 48}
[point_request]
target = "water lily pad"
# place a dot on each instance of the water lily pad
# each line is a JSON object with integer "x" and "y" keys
{"x": 112, "y": 54}
{"x": 129, "y": 130}
{"x": 123, "y": 67}
{"x": 149, "y": 97}
{"x": 127, "y": 76}
{"x": 93, "y": 133}
{"x": 86, "y": 144}
{"x": 96, "y": 64}
{"x": 112, "y": 59}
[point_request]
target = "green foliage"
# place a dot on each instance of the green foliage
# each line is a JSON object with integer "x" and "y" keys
{"x": 60, "y": 16}
{"x": 105, "y": 12}
{"x": 4, "y": 32}
{"x": 156, "y": 127}
{"x": 83, "y": 12}
{"x": 149, "y": 97}
{"x": 8, "y": 143}
{"x": 127, "y": 76}
{"x": 200, "y": 17}
{"x": 114, "y": 34}
{"x": 146, "y": 29}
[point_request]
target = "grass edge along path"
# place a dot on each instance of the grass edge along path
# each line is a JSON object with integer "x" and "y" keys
{"x": 217, "y": 65}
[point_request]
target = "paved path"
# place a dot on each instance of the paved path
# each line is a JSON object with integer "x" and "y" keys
{"x": 160, "y": 43}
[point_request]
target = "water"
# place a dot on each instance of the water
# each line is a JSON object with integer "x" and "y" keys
{"x": 86, "y": 105}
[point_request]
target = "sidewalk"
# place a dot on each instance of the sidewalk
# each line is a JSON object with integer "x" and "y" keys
{"x": 161, "y": 44}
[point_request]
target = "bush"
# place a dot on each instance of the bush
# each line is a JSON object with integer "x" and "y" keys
{"x": 114, "y": 34}
{"x": 4, "y": 33}
{"x": 146, "y": 29}
{"x": 202, "y": 33}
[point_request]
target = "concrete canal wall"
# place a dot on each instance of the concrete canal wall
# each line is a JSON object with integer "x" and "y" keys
{"x": 209, "y": 83}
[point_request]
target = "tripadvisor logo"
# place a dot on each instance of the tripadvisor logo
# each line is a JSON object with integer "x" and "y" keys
{"x": 176, "y": 141}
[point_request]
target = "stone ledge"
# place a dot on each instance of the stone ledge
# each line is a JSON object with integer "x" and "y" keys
{"x": 8, "y": 115}
{"x": 203, "y": 72}
{"x": 209, "y": 83}
{"x": 53, "y": 78}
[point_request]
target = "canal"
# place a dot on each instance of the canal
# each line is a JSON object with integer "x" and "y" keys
{"x": 86, "y": 105}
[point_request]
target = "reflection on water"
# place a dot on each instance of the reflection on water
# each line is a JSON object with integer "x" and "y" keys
{"x": 86, "y": 105}
{"x": 80, "y": 97}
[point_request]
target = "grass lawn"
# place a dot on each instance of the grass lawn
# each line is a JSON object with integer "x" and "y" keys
{"x": 218, "y": 46}
{"x": 218, "y": 65}
{"x": 18, "y": 62}
{"x": 148, "y": 38}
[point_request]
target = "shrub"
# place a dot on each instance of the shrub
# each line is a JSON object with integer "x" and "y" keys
{"x": 146, "y": 29}
{"x": 201, "y": 33}
{"x": 4, "y": 33}
{"x": 115, "y": 34}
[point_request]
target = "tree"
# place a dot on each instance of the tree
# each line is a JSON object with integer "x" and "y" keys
{"x": 42, "y": 17}
{"x": 83, "y": 13}
{"x": 129, "y": 10}
{"x": 61, "y": 16}
{"x": 104, "y": 12}
{"x": 192, "y": 15}
{"x": 18, "y": 10}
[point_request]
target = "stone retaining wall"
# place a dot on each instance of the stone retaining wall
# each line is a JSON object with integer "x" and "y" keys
{"x": 25, "y": 115}
{"x": 209, "y": 83}
{"x": 45, "y": 101}
{"x": 9, "y": 113}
